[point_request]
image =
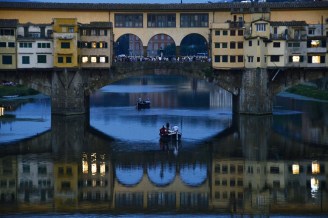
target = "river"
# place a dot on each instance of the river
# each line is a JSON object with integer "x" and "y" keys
{"x": 112, "y": 162}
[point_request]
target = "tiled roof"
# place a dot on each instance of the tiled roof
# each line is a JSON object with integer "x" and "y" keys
{"x": 8, "y": 22}
{"x": 288, "y": 23}
{"x": 163, "y": 7}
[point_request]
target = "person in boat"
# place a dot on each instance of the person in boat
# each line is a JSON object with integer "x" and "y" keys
{"x": 162, "y": 131}
{"x": 167, "y": 127}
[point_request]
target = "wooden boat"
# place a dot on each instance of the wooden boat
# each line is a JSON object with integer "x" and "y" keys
{"x": 170, "y": 134}
{"x": 143, "y": 104}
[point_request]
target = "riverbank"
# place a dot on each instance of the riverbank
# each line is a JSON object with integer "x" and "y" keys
{"x": 16, "y": 90}
{"x": 309, "y": 91}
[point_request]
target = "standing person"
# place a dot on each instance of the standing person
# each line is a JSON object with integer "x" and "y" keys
{"x": 167, "y": 126}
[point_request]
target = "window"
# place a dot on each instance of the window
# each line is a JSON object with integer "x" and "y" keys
{"x": 7, "y": 59}
{"x": 295, "y": 58}
{"x": 232, "y": 45}
{"x": 232, "y": 60}
{"x": 25, "y": 44}
{"x": 25, "y": 59}
{"x": 258, "y": 59}
{"x": 103, "y": 59}
{"x": 232, "y": 32}
{"x": 65, "y": 45}
{"x": 85, "y": 59}
{"x": 42, "y": 170}
{"x": 69, "y": 60}
{"x": 274, "y": 58}
{"x": 240, "y": 32}
{"x": 240, "y": 58}
{"x": 316, "y": 59}
{"x": 7, "y": 32}
{"x": 93, "y": 59}
{"x": 293, "y": 44}
{"x": 250, "y": 43}
{"x": 26, "y": 168}
{"x": 128, "y": 20}
{"x": 3, "y": 44}
{"x": 260, "y": 27}
{"x": 224, "y": 58}
{"x": 240, "y": 45}
{"x": 60, "y": 60}
{"x": 217, "y": 32}
{"x": 71, "y": 29}
{"x": 42, "y": 59}
{"x": 43, "y": 45}
{"x": 11, "y": 44}
{"x": 161, "y": 20}
{"x": 250, "y": 59}
{"x": 311, "y": 31}
{"x": 225, "y": 32}
{"x": 194, "y": 20}
{"x": 217, "y": 58}
{"x": 276, "y": 44}
{"x": 217, "y": 45}
{"x": 93, "y": 45}
{"x": 224, "y": 45}
{"x": 274, "y": 170}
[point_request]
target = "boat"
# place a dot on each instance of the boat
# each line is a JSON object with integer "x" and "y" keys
{"x": 167, "y": 134}
{"x": 143, "y": 104}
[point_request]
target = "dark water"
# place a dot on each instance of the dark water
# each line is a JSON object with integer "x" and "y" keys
{"x": 113, "y": 164}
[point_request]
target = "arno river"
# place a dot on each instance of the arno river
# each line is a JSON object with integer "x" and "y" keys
{"x": 112, "y": 163}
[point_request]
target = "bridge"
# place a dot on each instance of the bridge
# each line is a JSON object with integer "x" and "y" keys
{"x": 285, "y": 35}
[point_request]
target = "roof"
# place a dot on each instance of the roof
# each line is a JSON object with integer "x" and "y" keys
{"x": 8, "y": 22}
{"x": 288, "y": 23}
{"x": 163, "y": 7}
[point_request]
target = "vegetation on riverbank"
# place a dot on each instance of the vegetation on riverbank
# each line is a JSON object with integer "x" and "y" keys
{"x": 309, "y": 91}
{"x": 16, "y": 90}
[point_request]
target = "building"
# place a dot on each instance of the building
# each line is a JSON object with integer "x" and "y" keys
{"x": 65, "y": 38}
{"x": 8, "y": 43}
{"x": 96, "y": 45}
{"x": 34, "y": 46}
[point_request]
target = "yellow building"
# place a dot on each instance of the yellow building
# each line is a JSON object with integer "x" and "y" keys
{"x": 65, "y": 33}
{"x": 8, "y": 57}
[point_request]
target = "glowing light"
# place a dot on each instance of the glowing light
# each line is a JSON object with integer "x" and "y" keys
{"x": 315, "y": 167}
{"x": 102, "y": 168}
{"x": 85, "y": 167}
{"x": 2, "y": 111}
{"x": 296, "y": 169}
{"x": 316, "y": 59}
{"x": 296, "y": 58}
{"x": 102, "y": 59}
{"x": 85, "y": 59}
{"x": 94, "y": 59}
{"x": 94, "y": 45}
{"x": 315, "y": 43}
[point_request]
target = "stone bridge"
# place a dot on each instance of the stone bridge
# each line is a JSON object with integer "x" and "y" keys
{"x": 253, "y": 89}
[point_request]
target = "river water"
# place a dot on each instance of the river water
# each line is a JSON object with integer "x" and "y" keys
{"x": 112, "y": 162}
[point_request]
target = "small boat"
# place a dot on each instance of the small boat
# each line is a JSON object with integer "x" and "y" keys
{"x": 167, "y": 134}
{"x": 143, "y": 104}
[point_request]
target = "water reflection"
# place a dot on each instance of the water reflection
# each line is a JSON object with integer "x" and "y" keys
{"x": 225, "y": 164}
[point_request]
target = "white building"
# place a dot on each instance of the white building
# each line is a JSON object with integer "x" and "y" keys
{"x": 34, "y": 46}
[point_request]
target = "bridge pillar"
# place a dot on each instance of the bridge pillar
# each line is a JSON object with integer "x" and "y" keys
{"x": 67, "y": 93}
{"x": 254, "y": 95}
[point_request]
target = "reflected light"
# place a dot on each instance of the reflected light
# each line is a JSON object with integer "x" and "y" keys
{"x": 2, "y": 111}
{"x": 314, "y": 187}
{"x": 102, "y": 168}
{"x": 296, "y": 169}
{"x": 93, "y": 168}
{"x": 85, "y": 167}
{"x": 315, "y": 167}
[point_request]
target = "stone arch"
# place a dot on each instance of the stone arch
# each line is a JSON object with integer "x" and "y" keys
{"x": 129, "y": 175}
{"x": 194, "y": 44}
{"x": 161, "y": 45}
{"x": 128, "y": 45}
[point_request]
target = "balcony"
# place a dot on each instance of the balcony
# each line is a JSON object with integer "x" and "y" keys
{"x": 236, "y": 24}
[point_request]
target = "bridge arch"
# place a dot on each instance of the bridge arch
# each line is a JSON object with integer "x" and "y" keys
{"x": 128, "y": 44}
{"x": 128, "y": 176}
{"x": 161, "y": 174}
{"x": 161, "y": 45}
{"x": 193, "y": 44}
